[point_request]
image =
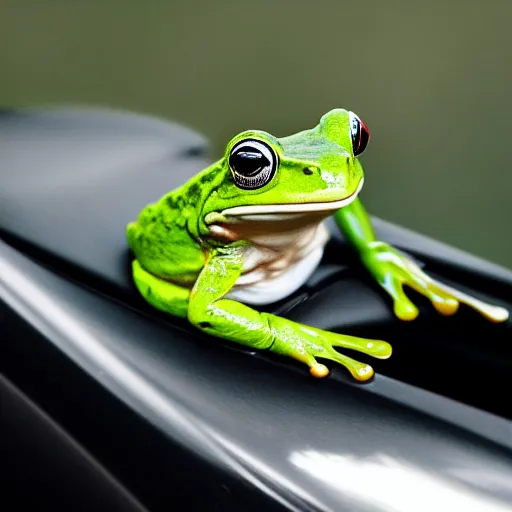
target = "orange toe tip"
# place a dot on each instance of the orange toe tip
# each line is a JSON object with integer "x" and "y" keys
{"x": 319, "y": 371}
{"x": 447, "y": 308}
{"x": 363, "y": 374}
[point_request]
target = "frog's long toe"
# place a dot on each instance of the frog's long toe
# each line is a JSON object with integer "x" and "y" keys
{"x": 495, "y": 314}
{"x": 360, "y": 371}
{"x": 375, "y": 348}
{"x": 403, "y": 307}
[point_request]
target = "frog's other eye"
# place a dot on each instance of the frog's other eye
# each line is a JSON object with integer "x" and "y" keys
{"x": 253, "y": 164}
{"x": 359, "y": 133}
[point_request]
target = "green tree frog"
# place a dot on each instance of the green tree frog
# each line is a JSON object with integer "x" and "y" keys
{"x": 249, "y": 231}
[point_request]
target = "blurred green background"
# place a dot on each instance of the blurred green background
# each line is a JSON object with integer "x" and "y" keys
{"x": 430, "y": 79}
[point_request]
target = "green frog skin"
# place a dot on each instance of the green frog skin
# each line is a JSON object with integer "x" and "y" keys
{"x": 248, "y": 231}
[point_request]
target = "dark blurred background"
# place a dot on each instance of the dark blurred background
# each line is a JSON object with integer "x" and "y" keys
{"x": 430, "y": 79}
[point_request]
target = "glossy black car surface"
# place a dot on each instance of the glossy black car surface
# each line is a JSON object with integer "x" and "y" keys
{"x": 109, "y": 405}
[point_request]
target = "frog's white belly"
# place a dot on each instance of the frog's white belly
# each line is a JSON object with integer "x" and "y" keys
{"x": 277, "y": 266}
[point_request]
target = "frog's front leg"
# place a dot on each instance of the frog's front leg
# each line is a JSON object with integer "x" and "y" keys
{"x": 234, "y": 321}
{"x": 394, "y": 270}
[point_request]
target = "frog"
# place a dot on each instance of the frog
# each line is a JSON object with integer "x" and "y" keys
{"x": 250, "y": 229}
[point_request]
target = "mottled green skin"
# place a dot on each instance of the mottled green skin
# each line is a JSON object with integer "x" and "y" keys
{"x": 180, "y": 268}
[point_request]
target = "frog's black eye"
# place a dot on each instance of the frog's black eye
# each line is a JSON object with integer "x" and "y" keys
{"x": 253, "y": 164}
{"x": 359, "y": 133}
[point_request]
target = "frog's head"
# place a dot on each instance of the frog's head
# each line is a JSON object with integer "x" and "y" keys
{"x": 315, "y": 171}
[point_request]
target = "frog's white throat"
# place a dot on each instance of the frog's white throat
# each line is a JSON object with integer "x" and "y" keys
{"x": 286, "y": 246}
{"x": 276, "y": 266}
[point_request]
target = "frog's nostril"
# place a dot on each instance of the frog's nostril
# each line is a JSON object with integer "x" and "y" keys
{"x": 307, "y": 171}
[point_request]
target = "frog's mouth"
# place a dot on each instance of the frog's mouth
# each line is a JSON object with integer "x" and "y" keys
{"x": 272, "y": 223}
{"x": 275, "y": 212}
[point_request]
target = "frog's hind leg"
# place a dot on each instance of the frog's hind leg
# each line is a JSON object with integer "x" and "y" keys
{"x": 161, "y": 294}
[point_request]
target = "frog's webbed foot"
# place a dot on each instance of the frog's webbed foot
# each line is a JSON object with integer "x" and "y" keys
{"x": 213, "y": 313}
{"x": 394, "y": 270}
{"x": 306, "y": 344}
{"x": 444, "y": 298}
